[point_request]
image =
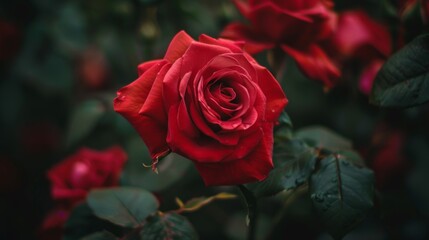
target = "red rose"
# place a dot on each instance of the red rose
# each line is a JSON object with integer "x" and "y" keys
{"x": 360, "y": 36}
{"x": 296, "y": 26}
{"x": 72, "y": 178}
{"x": 210, "y": 102}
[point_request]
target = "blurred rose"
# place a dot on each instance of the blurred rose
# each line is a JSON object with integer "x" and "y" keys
{"x": 9, "y": 40}
{"x": 425, "y": 11}
{"x": 368, "y": 75}
{"x": 72, "y": 178}
{"x": 92, "y": 69}
{"x": 296, "y": 26}
{"x": 359, "y": 37}
{"x": 388, "y": 160}
{"x": 210, "y": 102}
{"x": 53, "y": 224}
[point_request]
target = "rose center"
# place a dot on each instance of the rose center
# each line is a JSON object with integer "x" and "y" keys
{"x": 223, "y": 99}
{"x": 224, "y": 92}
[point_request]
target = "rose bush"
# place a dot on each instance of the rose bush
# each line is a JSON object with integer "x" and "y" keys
{"x": 72, "y": 178}
{"x": 296, "y": 26}
{"x": 210, "y": 102}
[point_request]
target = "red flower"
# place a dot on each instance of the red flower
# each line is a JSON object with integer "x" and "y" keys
{"x": 210, "y": 102}
{"x": 52, "y": 227}
{"x": 359, "y": 37}
{"x": 72, "y": 178}
{"x": 296, "y": 26}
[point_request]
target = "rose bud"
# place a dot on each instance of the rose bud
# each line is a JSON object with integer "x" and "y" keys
{"x": 209, "y": 101}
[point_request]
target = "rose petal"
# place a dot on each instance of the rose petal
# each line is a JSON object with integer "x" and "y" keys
{"x": 129, "y": 102}
{"x": 178, "y": 46}
{"x": 275, "y": 97}
{"x": 229, "y": 139}
{"x": 296, "y": 4}
{"x": 206, "y": 149}
{"x": 266, "y": 17}
{"x": 367, "y": 77}
{"x": 197, "y": 55}
{"x": 252, "y": 42}
{"x": 314, "y": 64}
{"x": 254, "y": 167}
{"x": 186, "y": 124}
{"x": 200, "y": 149}
{"x": 143, "y": 67}
{"x": 234, "y": 46}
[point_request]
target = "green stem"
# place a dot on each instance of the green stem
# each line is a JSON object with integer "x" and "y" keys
{"x": 252, "y": 209}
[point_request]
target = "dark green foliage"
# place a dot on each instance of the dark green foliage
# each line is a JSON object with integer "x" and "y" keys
{"x": 342, "y": 194}
{"x": 403, "y": 81}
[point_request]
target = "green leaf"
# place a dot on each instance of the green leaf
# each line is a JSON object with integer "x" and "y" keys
{"x": 127, "y": 207}
{"x": 293, "y": 163}
{"x": 104, "y": 235}
{"x": 83, "y": 222}
{"x": 351, "y": 156}
{"x": 322, "y": 137}
{"x": 342, "y": 194}
{"x": 83, "y": 120}
{"x": 283, "y": 131}
{"x": 403, "y": 81}
{"x": 170, "y": 226}
{"x": 172, "y": 168}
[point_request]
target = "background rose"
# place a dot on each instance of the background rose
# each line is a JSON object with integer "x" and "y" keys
{"x": 360, "y": 40}
{"x": 360, "y": 36}
{"x": 72, "y": 178}
{"x": 425, "y": 10}
{"x": 209, "y": 102}
{"x": 296, "y": 26}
